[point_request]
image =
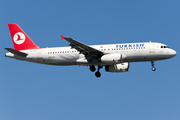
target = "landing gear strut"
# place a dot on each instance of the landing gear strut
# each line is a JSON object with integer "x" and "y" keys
{"x": 98, "y": 74}
{"x": 153, "y": 68}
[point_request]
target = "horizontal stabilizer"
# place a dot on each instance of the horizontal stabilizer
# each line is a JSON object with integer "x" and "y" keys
{"x": 15, "y": 51}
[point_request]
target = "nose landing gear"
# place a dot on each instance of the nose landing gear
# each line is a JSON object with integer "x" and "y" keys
{"x": 153, "y": 68}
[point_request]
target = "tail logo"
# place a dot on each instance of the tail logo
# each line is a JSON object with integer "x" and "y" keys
{"x": 19, "y": 38}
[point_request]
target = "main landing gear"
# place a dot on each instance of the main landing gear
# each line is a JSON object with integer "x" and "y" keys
{"x": 97, "y": 74}
{"x": 92, "y": 68}
{"x": 153, "y": 68}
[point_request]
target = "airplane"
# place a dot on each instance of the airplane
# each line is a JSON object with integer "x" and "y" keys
{"x": 115, "y": 57}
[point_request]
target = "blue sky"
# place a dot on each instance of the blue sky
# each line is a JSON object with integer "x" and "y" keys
{"x": 34, "y": 91}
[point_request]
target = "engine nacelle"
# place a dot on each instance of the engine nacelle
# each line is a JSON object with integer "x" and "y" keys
{"x": 112, "y": 58}
{"x": 122, "y": 67}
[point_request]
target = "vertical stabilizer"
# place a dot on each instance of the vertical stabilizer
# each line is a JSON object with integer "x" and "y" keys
{"x": 20, "y": 39}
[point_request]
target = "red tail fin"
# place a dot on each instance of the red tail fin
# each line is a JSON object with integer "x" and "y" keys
{"x": 20, "y": 40}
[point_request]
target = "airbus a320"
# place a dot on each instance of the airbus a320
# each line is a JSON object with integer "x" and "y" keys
{"x": 114, "y": 57}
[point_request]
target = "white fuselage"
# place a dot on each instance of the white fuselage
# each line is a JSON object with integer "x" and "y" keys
{"x": 131, "y": 52}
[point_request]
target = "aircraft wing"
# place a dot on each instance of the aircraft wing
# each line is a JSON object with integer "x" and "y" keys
{"x": 81, "y": 47}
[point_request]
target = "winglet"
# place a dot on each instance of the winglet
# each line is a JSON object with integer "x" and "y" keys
{"x": 62, "y": 37}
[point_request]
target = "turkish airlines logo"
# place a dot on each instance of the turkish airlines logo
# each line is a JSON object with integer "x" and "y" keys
{"x": 19, "y": 38}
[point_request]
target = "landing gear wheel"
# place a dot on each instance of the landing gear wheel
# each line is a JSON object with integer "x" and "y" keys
{"x": 92, "y": 68}
{"x": 153, "y": 68}
{"x": 98, "y": 74}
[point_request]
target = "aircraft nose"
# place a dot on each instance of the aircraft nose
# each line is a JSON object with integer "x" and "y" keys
{"x": 173, "y": 53}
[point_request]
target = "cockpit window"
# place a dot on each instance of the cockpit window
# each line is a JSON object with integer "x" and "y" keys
{"x": 164, "y": 47}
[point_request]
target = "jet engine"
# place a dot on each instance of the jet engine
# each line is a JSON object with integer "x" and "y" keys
{"x": 112, "y": 58}
{"x": 122, "y": 67}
